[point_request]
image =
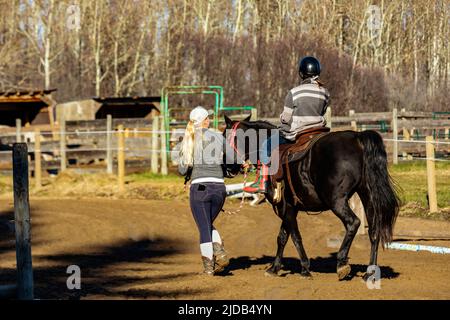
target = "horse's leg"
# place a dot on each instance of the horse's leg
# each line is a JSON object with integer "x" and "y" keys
{"x": 351, "y": 222}
{"x": 291, "y": 217}
{"x": 374, "y": 240}
{"x": 282, "y": 239}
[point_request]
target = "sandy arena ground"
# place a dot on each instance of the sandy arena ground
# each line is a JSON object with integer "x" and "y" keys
{"x": 147, "y": 249}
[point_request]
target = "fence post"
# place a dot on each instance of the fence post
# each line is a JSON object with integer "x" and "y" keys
{"x": 431, "y": 175}
{"x": 18, "y": 130}
{"x": 164, "y": 170}
{"x": 446, "y": 134}
{"x": 354, "y": 126}
{"x": 155, "y": 128}
{"x": 328, "y": 117}
{"x": 254, "y": 114}
{"x": 22, "y": 222}
{"x": 109, "y": 156}
{"x": 395, "y": 136}
{"x": 62, "y": 143}
{"x": 37, "y": 158}
{"x": 406, "y": 134}
{"x": 121, "y": 158}
{"x": 358, "y": 208}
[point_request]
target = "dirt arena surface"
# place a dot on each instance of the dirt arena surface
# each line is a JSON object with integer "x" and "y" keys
{"x": 147, "y": 249}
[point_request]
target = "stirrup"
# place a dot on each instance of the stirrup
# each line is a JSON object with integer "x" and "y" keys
{"x": 278, "y": 192}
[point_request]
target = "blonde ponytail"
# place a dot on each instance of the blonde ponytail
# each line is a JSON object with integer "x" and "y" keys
{"x": 187, "y": 145}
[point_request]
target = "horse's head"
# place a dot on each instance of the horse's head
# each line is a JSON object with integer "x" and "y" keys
{"x": 230, "y": 135}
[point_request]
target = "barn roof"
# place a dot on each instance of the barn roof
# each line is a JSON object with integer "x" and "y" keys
{"x": 17, "y": 96}
{"x": 28, "y": 105}
{"x": 127, "y": 100}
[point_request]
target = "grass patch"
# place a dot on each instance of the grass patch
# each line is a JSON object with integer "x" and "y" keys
{"x": 411, "y": 178}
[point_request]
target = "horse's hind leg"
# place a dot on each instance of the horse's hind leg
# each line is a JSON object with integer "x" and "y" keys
{"x": 374, "y": 239}
{"x": 297, "y": 239}
{"x": 351, "y": 222}
{"x": 282, "y": 239}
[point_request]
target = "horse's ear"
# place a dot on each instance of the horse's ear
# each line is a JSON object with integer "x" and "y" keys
{"x": 228, "y": 121}
{"x": 248, "y": 118}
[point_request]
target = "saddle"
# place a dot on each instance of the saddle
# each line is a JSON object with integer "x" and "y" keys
{"x": 296, "y": 151}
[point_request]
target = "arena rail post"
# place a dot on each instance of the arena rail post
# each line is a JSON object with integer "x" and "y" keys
{"x": 22, "y": 222}
{"x": 154, "y": 160}
{"x": 431, "y": 174}
{"x": 121, "y": 158}
{"x": 18, "y": 130}
{"x": 358, "y": 208}
{"x": 395, "y": 136}
{"x": 164, "y": 169}
{"x": 446, "y": 134}
{"x": 62, "y": 142}
{"x": 254, "y": 114}
{"x": 406, "y": 134}
{"x": 328, "y": 115}
{"x": 109, "y": 156}
{"x": 37, "y": 158}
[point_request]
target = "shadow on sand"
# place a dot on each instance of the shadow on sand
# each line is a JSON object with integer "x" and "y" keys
{"x": 101, "y": 272}
{"x": 292, "y": 265}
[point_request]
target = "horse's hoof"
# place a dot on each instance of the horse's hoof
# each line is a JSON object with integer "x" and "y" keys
{"x": 270, "y": 273}
{"x": 343, "y": 271}
{"x": 367, "y": 276}
{"x": 305, "y": 274}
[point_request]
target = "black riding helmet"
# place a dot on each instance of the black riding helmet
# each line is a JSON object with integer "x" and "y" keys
{"x": 309, "y": 67}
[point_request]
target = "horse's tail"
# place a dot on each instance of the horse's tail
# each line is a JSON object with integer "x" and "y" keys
{"x": 381, "y": 200}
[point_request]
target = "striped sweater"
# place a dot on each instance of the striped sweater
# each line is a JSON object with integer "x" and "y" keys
{"x": 304, "y": 108}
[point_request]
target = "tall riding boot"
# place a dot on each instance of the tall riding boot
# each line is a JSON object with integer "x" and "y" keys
{"x": 208, "y": 266}
{"x": 221, "y": 256}
{"x": 261, "y": 180}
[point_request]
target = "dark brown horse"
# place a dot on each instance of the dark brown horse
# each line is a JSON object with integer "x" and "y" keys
{"x": 338, "y": 165}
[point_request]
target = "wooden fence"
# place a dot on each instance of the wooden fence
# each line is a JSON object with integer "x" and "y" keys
{"x": 133, "y": 145}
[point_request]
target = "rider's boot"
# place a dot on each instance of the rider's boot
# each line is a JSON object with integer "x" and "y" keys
{"x": 260, "y": 184}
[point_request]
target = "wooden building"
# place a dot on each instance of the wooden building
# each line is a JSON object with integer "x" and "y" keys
{"x": 32, "y": 107}
{"x": 118, "y": 108}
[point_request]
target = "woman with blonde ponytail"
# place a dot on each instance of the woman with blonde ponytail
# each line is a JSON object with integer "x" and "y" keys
{"x": 201, "y": 159}
{"x": 187, "y": 146}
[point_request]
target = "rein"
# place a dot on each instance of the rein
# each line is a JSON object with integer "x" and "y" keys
{"x": 234, "y": 147}
{"x": 231, "y": 139}
{"x": 243, "y": 198}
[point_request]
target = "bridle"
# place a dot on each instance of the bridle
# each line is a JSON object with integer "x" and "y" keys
{"x": 231, "y": 139}
{"x": 231, "y": 142}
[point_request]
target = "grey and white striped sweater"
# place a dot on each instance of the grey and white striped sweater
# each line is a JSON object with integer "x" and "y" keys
{"x": 304, "y": 108}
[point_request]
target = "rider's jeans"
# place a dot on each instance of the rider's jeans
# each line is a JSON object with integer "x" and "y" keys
{"x": 269, "y": 145}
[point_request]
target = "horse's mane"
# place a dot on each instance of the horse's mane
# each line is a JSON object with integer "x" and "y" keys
{"x": 259, "y": 124}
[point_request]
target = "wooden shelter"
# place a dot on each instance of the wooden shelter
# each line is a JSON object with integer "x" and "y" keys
{"x": 32, "y": 107}
{"x": 117, "y": 107}
{"x": 128, "y": 107}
